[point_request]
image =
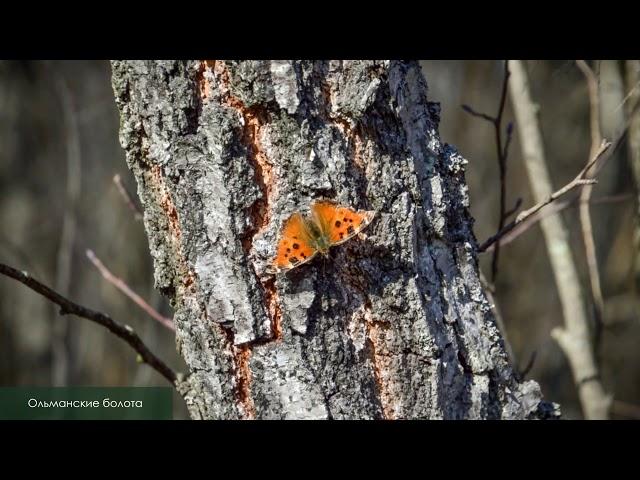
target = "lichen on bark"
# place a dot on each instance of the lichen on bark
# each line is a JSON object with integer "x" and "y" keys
{"x": 393, "y": 324}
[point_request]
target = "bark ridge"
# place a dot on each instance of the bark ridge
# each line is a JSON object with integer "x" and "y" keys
{"x": 394, "y": 324}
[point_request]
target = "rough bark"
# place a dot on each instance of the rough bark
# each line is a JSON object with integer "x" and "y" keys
{"x": 394, "y": 325}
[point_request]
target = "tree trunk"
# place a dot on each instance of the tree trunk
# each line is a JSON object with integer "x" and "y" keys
{"x": 394, "y": 325}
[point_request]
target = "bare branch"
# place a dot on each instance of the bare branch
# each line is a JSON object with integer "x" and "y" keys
{"x": 597, "y": 163}
{"x": 502, "y": 164}
{"x": 632, "y": 77}
{"x": 573, "y": 336}
{"x": 585, "y": 196}
{"x": 577, "y": 182}
{"x": 502, "y": 152}
{"x": 124, "y": 288}
{"x": 137, "y": 213}
{"x": 481, "y": 115}
{"x": 507, "y": 143}
{"x": 125, "y": 332}
{"x": 555, "y": 207}
{"x": 594, "y": 105}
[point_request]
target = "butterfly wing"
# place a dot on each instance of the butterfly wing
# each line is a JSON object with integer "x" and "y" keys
{"x": 294, "y": 246}
{"x": 339, "y": 223}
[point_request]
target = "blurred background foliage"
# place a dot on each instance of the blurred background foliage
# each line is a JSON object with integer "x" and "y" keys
{"x": 59, "y": 152}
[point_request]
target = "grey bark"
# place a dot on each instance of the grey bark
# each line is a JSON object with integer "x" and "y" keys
{"x": 394, "y": 325}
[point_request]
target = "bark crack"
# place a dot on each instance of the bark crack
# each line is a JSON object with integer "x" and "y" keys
{"x": 253, "y": 120}
{"x": 203, "y": 78}
{"x": 182, "y": 275}
{"x": 241, "y": 355}
{"x": 243, "y": 373}
{"x": 380, "y": 359}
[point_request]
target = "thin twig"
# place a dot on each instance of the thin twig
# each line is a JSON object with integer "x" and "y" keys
{"x": 137, "y": 213}
{"x": 481, "y": 115}
{"x": 124, "y": 288}
{"x": 502, "y": 164}
{"x": 125, "y": 332}
{"x": 594, "y": 164}
{"x": 594, "y": 105}
{"x": 553, "y": 209}
{"x": 507, "y": 143}
{"x": 632, "y": 77}
{"x": 577, "y": 182}
{"x": 502, "y": 153}
{"x": 585, "y": 195}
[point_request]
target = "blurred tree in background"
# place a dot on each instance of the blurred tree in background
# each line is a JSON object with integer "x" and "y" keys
{"x": 58, "y": 114}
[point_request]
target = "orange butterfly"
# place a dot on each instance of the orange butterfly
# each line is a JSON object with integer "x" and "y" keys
{"x": 302, "y": 237}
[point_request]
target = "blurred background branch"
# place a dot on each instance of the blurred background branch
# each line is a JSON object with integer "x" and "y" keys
{"x": 62, "y": 341}
{"x": 502, "y": 152}
{"x": 552, "y": 209}
{"x": 573, "y": 337}
{"x": 55, "y": 117}
{"x": 633, "y": 98}
{"x": 578, "y": 182}
{"x": 124, "y": 288}
{"x": 124, "y": 193}
{"x": 585, "y": 196}
{"x": 67, "y": 307}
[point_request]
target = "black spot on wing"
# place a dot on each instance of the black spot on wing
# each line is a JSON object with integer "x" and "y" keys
{"x": 350, "y": 230}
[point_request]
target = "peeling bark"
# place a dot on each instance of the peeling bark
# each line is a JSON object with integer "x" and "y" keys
{"x": 393, "y": 324}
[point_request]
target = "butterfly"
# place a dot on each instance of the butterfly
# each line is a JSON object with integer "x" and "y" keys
{"x": 302, "y": 237}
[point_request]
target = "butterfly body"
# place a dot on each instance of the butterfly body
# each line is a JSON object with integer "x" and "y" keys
{"x": 317, "y": 236}
{"x": 302, "y": 237}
